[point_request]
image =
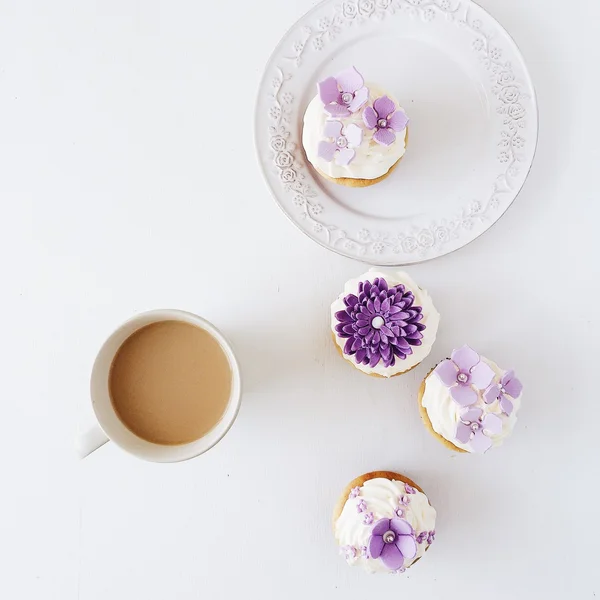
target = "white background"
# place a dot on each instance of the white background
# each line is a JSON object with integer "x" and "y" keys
{"x": 128, "y": 182}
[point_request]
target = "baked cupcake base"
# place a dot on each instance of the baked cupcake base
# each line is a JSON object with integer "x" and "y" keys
{"x": 390, "y": 301}
{"x": 358, "y": 183}
{"x": 383, "y": 522}
{"x": 469, "y": 403}
{"x": 354, "y": 134}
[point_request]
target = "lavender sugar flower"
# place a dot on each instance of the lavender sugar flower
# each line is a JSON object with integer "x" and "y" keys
{"x": 385, "y": 120}
{"x": 463, "y": 372}
{"x": 392, "y": 541}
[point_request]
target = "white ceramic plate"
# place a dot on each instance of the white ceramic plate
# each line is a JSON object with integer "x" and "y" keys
{"x": 473, "y": 130}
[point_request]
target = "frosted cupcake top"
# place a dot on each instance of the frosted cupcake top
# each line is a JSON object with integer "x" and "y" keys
{"x": 471, "y": 401}
{"x": 353, "y": 130}
{"x": 385, "y": 526}
{"x": 384, "y": 323}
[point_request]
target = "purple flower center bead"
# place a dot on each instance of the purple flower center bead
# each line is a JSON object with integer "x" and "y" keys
{"x": 380, "y": 323}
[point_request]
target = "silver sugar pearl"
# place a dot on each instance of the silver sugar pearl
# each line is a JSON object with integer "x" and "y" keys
{"x": 389, "y": 537}
{"x": 462, "y": 377}
{"x": 377, "y": 322}
{"x": 382, "y": 123}
{"x": 474, "y": 426}
{"x": 347, "y": 97}
{"x": 341, "y": 142}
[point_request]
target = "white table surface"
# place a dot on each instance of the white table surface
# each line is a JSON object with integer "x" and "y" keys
{"x": 128, "y": 181}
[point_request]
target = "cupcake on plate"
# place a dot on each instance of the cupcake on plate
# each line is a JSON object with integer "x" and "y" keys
{"x": 354, "y": 134}
{"x": 383, "y": 522}
{"x": 384, "y": 324}
{"x": 469, "y": 403}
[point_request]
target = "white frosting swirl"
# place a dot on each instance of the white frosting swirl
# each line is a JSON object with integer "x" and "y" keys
{"x": 431, "y": 320}
{"x": 444, "y": 413}
{"x": 372, "y": 160}
{"x": 382, "y": 498}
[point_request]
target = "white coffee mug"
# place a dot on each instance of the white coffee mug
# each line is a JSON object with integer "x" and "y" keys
{"x": 111, "y": 428}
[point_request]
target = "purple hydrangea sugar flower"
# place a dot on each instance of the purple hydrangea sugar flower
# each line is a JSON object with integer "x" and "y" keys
{"x": 463, "y": 372}
{"x": 474, "y": 429}
{"x": 392, "y": 540}
{"x": 509, "y": 386}
{"x": 354, "y": 492}
{"x": 345, "y": 139}
{"x": 380, "y": 324}
{"x": 422, "y": 537}
{"x": 368, "y": 518}
{"x": 431, "y": 537}
{"x": 404, "y": 500}
{"x": 385, "y": 119}
{"x": 343, "y": 94}
{"x": 361, "y": 506}
{"x": 409, "y": 489}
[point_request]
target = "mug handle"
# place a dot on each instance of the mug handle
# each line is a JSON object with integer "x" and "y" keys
{"x": 90, "y": 440}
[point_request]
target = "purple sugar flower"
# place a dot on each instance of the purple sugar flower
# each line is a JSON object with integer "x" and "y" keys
{"x": 361, "y": 506}
{"x": 354, "y": 492}
{"x": 392, "y": 540}
{"x": 474, "y": 429}
{"x": 380, "y": 324}
{"x": 404, "y": 500}
{"x": 384, "y": 118}
{"x": 409, "y": 489}
{"x": 509, "y": 386}
{"x": 368, "y": 518}
{"x": 431, "y": 537}
{"x": 345, "y": 139}
{"x": 343, "y": 94}
{"x": 466, "y": 369}
{"x": 422, "y": 537}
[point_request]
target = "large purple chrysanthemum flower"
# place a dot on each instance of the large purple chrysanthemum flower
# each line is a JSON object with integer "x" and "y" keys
{"x": 381, "y": 323}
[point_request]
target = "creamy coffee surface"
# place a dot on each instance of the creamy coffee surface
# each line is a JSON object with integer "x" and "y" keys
{"x": 170, "y": 382}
